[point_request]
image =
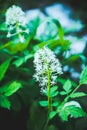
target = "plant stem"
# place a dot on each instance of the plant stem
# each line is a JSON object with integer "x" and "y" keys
{"x": 66, "y": 99}
{"x": 48, "y": 90}
{"x": 18, "y": 33}
{"x": 72, "y": 92}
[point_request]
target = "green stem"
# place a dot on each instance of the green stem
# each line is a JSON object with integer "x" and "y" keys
{"x": 48, "y": 90}
{"x": 72, "y": 92}
{"x": 18, "y": 33}
{"x": 66, "y": 99}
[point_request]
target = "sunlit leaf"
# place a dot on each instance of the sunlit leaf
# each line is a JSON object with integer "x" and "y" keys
{"x": 3, "y": 27}
{"x": 53, "y": 91}
{"x": 43, "y": 103}
{"x": 54, "y": 94}
{"x": 75, "y": 112}
{"x": 78, "y": 94}
{"x": 55, "y": 104}
{"x": 3, "y": 68}
{"x": 67, "y": 86}
{"x": 71, "y": 111}
{"x": 64, "y": 115}
{"x": 63, "y": 93}
{"x": 8, "y": 90}
{"x": 83, "y": 76}
{"x": 22, "y": 60}
{"x": 52, "y": 114}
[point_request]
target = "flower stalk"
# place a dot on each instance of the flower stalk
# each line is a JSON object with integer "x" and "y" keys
{"x": 47, "y": 67}
{"x": 48, "y": 91}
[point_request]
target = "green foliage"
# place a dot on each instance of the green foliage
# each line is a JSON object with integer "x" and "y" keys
{"x": 67, "y": 86}
{"x": 11, "y": 88}
{"x": 43, "y": 103}
{"x": 22, "y": 60}
{"x": 52, "y": 114}
{"x": 71, "y": 111}
{"x": 4, "y": 102}
{"x": 83, "y": 76}
{"x": 78, "y": 94}
{"x": 3, "y": 68}
{"x": 53, "y": 91}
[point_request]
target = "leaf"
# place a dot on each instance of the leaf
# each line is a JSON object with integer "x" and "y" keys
{"x": 8, "y": 90}
{"x": 60, "y": 29}
{"x": 78, "y": 94}
{"x": 54, "y": 94}
{"x": 75, "y": 112}
{"x": 22, "y": 60}
{"x": 4, "y": 102}
{"x": 53, "y": 91}
{"x": 3, "y": 68}
{"x": 55, "y": 104}
{"x": 63, "y": 93}
{"x": 67, "y": 86}
{"x": 52, "y": 114}
{"x": 64, "y": 115}
{"x": 3, "y": 27}
{"x": 62, "y": 81}
{"x": 71, "y": 103}
{"x": 72, "y": 111}
{"x": 83, "y": 76}
{"x": 43, "y": 103}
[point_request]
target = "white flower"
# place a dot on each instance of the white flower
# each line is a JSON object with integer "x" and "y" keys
{"x": 46, "y": 62}
{"x": 15, "y": 15}
{"x": 16, "y": 22}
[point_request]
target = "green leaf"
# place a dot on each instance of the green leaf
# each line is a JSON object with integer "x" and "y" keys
{"x": 64, "y": 115}
{"x": 22, "y": 60}
{"x": 52, "y": 114}
{"x": 62, "y": 81}
{"x": 71, "y": 111}
{"x": 63, "y": 93}
{"x": 60, "y": 29}
{"x": 78, "y": 94}
{"x": 3, "y": 27}
{"x": 55, "y": 104}
{"x": 4, "y": 102}
{"x": 83, "y": 76}
{"x": 3, "y": 68}
{"x": 43, "y": 103}
{"x": 67, "y": 86}
{"x": 53, "y": 91}
{"x": 54, "y": 94}
{"x": 75, "y": 111}
{"x": 8, "y": 90}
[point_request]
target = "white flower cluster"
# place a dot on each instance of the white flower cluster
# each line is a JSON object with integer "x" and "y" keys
{"x": 15, "y": 20}
{"x": 15, "y": 15}
{"x": 44, "y": 59}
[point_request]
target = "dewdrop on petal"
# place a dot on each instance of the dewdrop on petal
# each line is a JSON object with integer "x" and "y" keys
{"x": 45, "y": 59}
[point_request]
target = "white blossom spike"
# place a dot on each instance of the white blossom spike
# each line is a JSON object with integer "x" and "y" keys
{"x": 16, "y": 22}
{"x": 45, "y": 59}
